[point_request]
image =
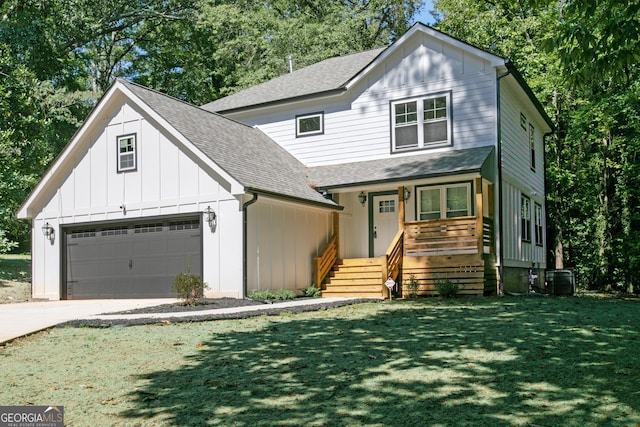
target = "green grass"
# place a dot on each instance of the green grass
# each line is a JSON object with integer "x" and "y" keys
{"x": 15, "y": 267}
{"x": 531, "y": 361}
{"x": 15, "y": 278}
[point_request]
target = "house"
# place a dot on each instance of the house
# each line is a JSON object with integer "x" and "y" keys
{"x": 422, "y": 159}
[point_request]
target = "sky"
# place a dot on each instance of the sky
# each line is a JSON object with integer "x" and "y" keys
{"x": 424, "y": 16}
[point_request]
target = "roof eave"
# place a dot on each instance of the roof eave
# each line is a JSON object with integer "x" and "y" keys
{"x": 315, "y": 95}
{"x": 532, "y": 97}
{"x": 330, "y": 204}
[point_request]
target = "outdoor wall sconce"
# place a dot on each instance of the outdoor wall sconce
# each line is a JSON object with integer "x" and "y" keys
{"x": 211, "y": 218}
{"x": 49, "y": 232}
{"x": 407, "y": 194}
{"x": 362, "y": 198}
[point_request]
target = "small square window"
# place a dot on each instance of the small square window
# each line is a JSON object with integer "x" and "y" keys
{"x": 127, "y": 153}
{"x": 310, "y": 124}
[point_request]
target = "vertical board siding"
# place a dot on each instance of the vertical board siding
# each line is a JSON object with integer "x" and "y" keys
{"x": 281, "y": 243}
{"x": 357, "y": 125}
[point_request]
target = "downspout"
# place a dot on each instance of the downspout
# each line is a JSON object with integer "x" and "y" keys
{"x": 499, "y": 151}
{"x": 244, "y": 243}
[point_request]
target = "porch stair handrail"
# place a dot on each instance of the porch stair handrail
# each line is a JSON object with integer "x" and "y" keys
{"x": 393, "y": 257}
{"x": 323, "y": 264}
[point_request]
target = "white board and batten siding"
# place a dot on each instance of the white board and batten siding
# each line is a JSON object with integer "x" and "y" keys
{"x": 518, "y": 177}
{"x": 282, "y": 239}
{"x": 357, "y": 124}
{"x": 168, "y": 181}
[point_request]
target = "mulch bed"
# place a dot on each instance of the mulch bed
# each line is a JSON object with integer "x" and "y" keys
{"x": 208, "y": 304}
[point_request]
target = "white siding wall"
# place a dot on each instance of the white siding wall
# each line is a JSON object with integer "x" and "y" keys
{"x": 167, "y": 181}
{"x": 518, "y": 178}
{"x": 357, "y": 124}
{"x": 282, "y": 240}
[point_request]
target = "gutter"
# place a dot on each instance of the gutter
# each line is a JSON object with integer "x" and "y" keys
{"x": 244, "y": 243}
{"x": 499, "y": 143}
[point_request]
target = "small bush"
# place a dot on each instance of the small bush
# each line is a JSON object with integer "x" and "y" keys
{"x": 284, "y": 294}
{"x": 311, "y": 291}
{"x": 412, "y": 286}
{"x": 446, "y": 287}
{"x": 279, "y": 295}
{"x": 189, "y": 287}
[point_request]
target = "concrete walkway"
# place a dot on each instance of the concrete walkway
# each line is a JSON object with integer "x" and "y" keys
{"x": 17, "y": 320}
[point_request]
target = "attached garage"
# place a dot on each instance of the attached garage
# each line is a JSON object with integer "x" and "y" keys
{"x": 137, "y": 259}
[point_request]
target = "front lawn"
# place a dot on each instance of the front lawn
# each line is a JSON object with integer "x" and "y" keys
{"x": 531, "y": 361}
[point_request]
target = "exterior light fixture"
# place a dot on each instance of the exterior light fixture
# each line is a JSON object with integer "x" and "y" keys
{"x": 407, "y": 194}
{"x": 362, "y": 198}
{"x": 211, "y": 218}
{"x": 48, "y": 231}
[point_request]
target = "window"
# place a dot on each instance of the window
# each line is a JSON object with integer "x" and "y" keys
{"x": 454, "y": 198}
{"x": 421, "y": 123}
{"x": 523, "y": 122}
{"x": 126, "y": 153}
{"x": 525, "y": 218}
{"x": 532, "y": 147}
{"x": 387, "y": 206}
{"x": 538, "y": 224}
{"x": 310, "y": 124}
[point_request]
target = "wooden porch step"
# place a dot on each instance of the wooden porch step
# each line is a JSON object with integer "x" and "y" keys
{"x": 356, "y": 277}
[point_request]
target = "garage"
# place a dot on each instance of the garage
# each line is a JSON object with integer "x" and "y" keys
{"x": 130, "y": 260}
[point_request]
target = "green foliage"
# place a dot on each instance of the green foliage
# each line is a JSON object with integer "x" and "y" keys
{"x": 312, "y": 291}
{"x": 446, "y": 287}
{"x": 189, "y": 287}
{"x": 279, "y": 295}
{"x": 412, "y": 285}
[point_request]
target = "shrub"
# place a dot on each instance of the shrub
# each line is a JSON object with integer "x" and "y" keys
{"x": 446, "y": 287}
{"x": 280, "y": 295}
{"x": 284, "y": 294}
{"x": 412, "y": 286}
{"x": 189, "y": 287}
{"x": 311, "y": 291}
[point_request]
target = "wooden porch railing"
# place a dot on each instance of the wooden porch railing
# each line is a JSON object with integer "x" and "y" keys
{"x": 322, "y": 265}
{"x": 393, "y": 257}
{"x": 488, "y": 236}
{"x": 452, "y": 236}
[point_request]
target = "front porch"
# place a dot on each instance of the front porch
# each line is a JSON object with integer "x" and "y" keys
{"x": 460, "y": 249}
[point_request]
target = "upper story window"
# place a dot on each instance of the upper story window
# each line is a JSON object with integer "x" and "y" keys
{"x": 421, "y": 122}
{"x": 532, "y": 147}
{"x": 444, "y": 201}
{"x": 310, "y": 124}
{"x": 127, "y": 153}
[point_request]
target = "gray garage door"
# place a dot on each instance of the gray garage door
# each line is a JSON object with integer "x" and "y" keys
{"x": 130, "y": 260}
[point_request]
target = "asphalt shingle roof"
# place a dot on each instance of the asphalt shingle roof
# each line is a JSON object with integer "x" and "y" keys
{"x": 246, "y": 153}
{"x": 399, "y": 168}
{"x": 324, "y": 76}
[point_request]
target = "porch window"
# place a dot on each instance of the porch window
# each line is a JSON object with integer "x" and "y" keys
{"x": 126, "y": 153}
{"x": 538, "y": 224}
{"x": 421, "y": 122}
{"x": 445, "y": 201}
{"x": 310, "y": 124}
{"x": 525, "y": 218}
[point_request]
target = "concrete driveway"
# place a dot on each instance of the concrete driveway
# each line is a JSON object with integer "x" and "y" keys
{"x": 21, "y": 319}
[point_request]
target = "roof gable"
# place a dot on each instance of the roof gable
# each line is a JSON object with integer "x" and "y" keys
{"x": 243, "y": 155}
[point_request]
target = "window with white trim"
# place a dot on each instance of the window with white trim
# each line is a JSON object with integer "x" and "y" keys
{"x": 538, "y": 224}
{"x": 525, "y": 218}
{"x": 127, "y": 153}
{"x": 444, "y": 201}
{"x": 421, "y": 122}
{"x": 310, "y": 124}
{"x": 532, "y": 146}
